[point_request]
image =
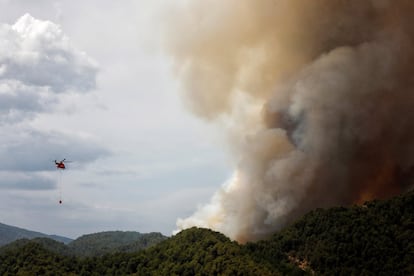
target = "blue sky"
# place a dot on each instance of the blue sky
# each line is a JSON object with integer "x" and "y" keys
{"x": 88, "y": 82}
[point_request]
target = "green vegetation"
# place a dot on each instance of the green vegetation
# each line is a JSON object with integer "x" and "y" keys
{"x": 33, "y": 259}
{"x": 196, "y": 252}
{"x": 45, "y": 243}
{"x": 374, "y": 239}
{"x": 94, "y": 245}
{"x": 113, "y": 241}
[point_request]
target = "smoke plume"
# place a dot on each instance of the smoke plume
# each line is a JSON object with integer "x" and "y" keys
{"x": 317, "y": 97}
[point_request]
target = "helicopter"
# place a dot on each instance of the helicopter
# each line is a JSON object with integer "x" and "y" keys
{"x": 61, "y": 164}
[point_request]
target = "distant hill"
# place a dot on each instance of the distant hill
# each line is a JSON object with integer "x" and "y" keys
{"x": 376, "y": 238}
{"x": 87, "y": 245}
{"x": 46, "y": 243}
{"x": 113, "y": 241}
{"x": 9, "y": 234}
{"x": 184, "y": 254}
{"x": 93, "y": 245}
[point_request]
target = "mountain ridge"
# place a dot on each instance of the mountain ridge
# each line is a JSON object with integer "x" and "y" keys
{"x": 9, "y": 233}
{"x": 101, "y": 243}
{"x": 93, "y": 245}
{"x": 376, "y": 238}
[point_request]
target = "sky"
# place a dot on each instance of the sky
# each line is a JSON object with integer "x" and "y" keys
{"x": 88, "y": 81}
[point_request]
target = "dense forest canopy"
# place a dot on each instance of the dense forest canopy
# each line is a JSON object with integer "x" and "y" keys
{"x": 376, "y": 238}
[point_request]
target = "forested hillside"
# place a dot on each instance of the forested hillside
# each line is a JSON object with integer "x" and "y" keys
{"x": 96, "y": 244}
{"x": 376, "y": 238}
{"x": 113, "y": 241}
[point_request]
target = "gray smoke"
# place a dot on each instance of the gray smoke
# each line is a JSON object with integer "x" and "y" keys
{"x": 317, "y": 97}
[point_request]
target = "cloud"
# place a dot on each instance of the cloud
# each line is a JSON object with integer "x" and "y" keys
{"x": 19, "y": 101}
{"x": 26, "y": 181}
{"x": 38, "y": 53}
{"x": 38, "y": 62}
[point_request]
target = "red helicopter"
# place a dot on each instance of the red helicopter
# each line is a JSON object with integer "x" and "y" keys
{"x": 61, "y": 164}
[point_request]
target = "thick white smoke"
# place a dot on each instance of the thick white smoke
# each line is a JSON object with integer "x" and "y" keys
{"x": 333, "y": 79}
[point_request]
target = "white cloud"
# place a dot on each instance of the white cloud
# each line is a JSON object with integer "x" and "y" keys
{"x": 19, "y": 101}
{"x": 42, "y": 55}
{"x": 38, "y": 61}
{"x": 26, "y": 181}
